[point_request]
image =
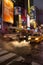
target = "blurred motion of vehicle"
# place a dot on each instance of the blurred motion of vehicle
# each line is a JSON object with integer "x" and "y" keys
{"x": 41, "y": 27}
{"x": 23, "y": 34}
{"x": 37, "y": 38}
{"x": 10, "y": 37}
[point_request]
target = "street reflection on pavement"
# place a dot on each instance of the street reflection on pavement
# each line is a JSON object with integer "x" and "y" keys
{"x": 26, "y": 49}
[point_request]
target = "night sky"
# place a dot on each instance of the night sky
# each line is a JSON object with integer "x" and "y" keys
{"x": 38, "y": 3}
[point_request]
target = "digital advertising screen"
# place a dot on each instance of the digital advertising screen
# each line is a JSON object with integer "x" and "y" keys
{"x": 8, "y": 11}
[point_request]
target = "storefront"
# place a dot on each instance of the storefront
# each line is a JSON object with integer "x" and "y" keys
{"x": 17, "y": 11}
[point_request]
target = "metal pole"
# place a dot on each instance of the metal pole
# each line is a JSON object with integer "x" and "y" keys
{"x": 29, "y": 6}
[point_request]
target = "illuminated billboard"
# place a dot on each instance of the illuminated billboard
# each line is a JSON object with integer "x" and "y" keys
{"x": 8, "y": 9}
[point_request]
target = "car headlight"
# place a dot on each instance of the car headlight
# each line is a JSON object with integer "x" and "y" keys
{"x": 5, "y": 36}
{"x": 36, "y": 38}
{"x": 24, "y": 36}
{"x": 29, "y": 38}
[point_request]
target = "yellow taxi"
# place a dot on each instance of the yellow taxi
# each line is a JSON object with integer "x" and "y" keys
{"x": 35, "y": 38}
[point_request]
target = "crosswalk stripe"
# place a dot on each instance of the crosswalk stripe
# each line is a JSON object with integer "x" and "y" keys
{"x": 16, "y": 59}
{"x": 34, "y": 63}
{"x": 6, "y": 57}
{"x": 8, "y": 61}
{"x": 19, "y": 58}
{"x": 3, "y": 52}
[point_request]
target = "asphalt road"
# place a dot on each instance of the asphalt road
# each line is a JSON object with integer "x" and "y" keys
{"x": 32, "y": 53}
{"x": 7, "y": 58}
